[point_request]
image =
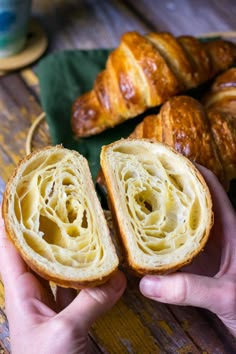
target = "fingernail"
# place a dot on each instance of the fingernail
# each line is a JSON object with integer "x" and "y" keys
{"x": 150, "y": 286}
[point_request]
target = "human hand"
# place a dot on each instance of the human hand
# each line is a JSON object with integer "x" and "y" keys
{"x": 40, "y": 323}
{"x": 210, "y": 281}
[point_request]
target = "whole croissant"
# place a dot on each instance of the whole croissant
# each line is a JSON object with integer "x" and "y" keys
{"x": 205, "y": 134}
{"x": 143, "y": 72}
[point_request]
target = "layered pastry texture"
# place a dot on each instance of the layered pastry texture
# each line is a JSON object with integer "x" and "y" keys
{"x": 160, "y": 202}
{"x": 53, "y": 216}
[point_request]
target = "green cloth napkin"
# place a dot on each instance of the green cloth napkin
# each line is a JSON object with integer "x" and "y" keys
{"x": 63, "y": 77}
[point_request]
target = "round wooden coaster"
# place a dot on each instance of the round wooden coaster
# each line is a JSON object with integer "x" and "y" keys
{"x": 36, "y": 44}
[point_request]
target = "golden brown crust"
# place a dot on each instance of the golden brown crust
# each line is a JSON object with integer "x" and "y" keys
{"x": 33, "y": 263}
{"x": 222, "y": 55}
{"x": 186, "y": 128}
{"x": 223, "y": 128}
{"x": 124, "y": 93}
{"x": 143, "y": 72}
{"x": 150, "y": 128}
{"x": 225, "y": 81}
{"x": 176, "y": 58}
{"x": 220, "y": 103}
{"x": 182, "y": 124}
{"x": 88, "y": 115}
{"x": 159, "y": 80}
{"x": 205, "y": 134}
{"x": 198, "y": 58}
{"x": 120, "y": 220}
{"x": 222, "y": 93}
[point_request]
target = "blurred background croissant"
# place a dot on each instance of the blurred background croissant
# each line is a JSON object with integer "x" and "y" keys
{"x": 204, "y": 132}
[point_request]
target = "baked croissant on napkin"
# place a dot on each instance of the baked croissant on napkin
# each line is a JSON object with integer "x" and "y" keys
{"x": 53, "y": 217}
{"x": 183, "y": 124}
{"x": 220, "y": 103}
{"x": 160, "y": 203}
{"x": 205, "y": 134}
{"x": 143, "y": 72}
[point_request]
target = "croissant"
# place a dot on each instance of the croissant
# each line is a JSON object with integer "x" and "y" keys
{"x": 54, "y": 218}
{"x": 205, "y": 134}
{"x": 220, "y": 103}
{"x": 143, "y": 72}
{"x": 159, "y": 201}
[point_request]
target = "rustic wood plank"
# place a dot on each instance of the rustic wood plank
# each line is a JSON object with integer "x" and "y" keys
{"x": 86, "y": 24}
{"x": 186, "y": 17}
{"x": 155, "y": 316}
{"x": 221, "y": 331}
{"x": 92, "y": 24}
{"x": 196, "y": 324}
{"x": 41, "y": 134}
{"x": 4, "y": 333}
{"x": 128, "y": 332}
{"x": 31, "y": 80}
{"x": 2, "y": 188}
{"x": 18, "y": 110}
{"x": 2, "y": 314}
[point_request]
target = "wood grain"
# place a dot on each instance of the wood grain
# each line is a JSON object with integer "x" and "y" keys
{"x": 186, "y": 17}
{"x": 134, "y": 325}
{"x": 87, "y": 24}
{"x": 18, "y": 110}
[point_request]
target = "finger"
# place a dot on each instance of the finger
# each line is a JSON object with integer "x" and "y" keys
{"x": 220, "y": 198}
{"x": 19, "y": 283}
{"x": 187, "y": 289}
{"x": 91, "y": 303}
{"x": 224, "y": 226}
{"x": 64, "y": 297}
{"x": 11, "y": 263}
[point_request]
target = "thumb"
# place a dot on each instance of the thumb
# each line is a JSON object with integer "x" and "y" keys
{"x": 186, "y": 289}
{"x": 91, "y": 303}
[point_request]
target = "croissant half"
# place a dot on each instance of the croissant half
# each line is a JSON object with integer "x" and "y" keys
{"x": 205, "y": 134}
{"x": 160, "y": 202}
{"x": 53, "y": 216}
{"x": 143, "y": 72}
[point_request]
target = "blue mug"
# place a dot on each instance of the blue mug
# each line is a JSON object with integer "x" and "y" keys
{"x": 14, "y": 18}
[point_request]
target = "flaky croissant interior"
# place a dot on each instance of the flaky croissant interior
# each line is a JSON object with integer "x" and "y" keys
{"x": 161, "y": 203}
{"x": 56, "y": 220}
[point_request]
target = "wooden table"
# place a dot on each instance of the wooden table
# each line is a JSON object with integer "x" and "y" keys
{"x": 135, "y": 324}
